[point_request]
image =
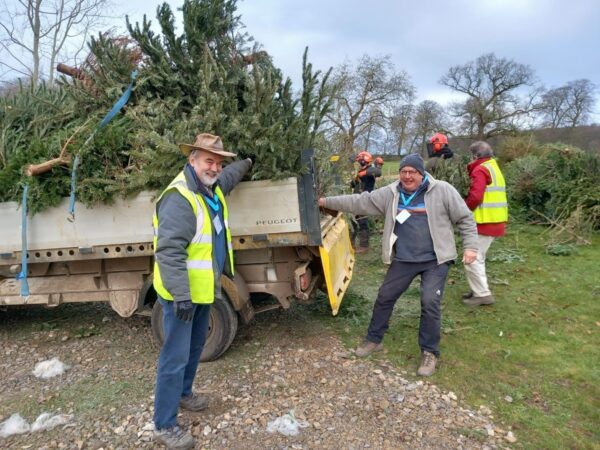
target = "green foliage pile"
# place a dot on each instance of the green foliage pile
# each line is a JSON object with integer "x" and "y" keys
{"x": 515, "y": 147}
{"x": 558, "y": 184}
{"x": 453, "y": 170}
{"x": 208, "y": 78}
{"x": 34, "y": 124}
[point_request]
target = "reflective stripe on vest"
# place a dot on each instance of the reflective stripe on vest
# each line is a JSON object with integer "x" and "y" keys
{"x": 199, "y": 260}
{"x": 494, "y": 207}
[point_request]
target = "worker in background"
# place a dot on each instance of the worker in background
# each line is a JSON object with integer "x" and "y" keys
{"x": 438, "y": 149}
{"x": 364, "y": 181}
{"x": 192, "y": 246}
{"x": 487, "y": 200}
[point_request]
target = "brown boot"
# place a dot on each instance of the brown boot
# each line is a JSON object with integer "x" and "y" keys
{"x": 428, "y": 362}
{"x": 368, "y": 347}
{"x": 361, "y": 249}
{"x": 467, "y": 295}
{"x": 174, "y": 438}
{"x": 477, "y": 301}
{"x": 195, "y": 402}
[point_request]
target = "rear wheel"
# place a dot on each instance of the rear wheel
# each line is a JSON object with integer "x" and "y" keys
{"x": 222, "y": 327}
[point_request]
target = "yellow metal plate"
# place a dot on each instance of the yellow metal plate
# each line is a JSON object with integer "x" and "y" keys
{"x": 337, "y": 257}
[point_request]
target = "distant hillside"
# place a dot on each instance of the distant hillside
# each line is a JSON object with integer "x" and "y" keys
{"x": 585, "y": 137}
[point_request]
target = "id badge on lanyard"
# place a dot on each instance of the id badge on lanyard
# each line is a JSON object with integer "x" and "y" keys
{"x": 217, "y": 224}
{"x": 402, "y": 216}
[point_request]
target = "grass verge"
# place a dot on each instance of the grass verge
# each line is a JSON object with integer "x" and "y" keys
{"x": 532, "y": 357}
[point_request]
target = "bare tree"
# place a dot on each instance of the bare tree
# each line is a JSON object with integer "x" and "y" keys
{"x": 569, "y": 105}
{"x": 34, "y": 33}
{"x": 490, "y": 83}
{"x": 366, "y": 98}
{"x": 554, "y": 107}
{"x": 429, "y": 118}
{"x": 399, "y": 124}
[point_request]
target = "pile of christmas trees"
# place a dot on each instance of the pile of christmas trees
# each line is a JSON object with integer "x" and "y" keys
{"x": 207, "y": 79}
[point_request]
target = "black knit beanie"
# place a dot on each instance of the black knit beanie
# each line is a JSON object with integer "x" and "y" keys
{"x": 413, "y": 160}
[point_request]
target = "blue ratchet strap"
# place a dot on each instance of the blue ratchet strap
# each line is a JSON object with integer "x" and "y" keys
{"x": 120, "y": 103}
{"x": 109, "y": 116}
{"x": 23, "y": 274}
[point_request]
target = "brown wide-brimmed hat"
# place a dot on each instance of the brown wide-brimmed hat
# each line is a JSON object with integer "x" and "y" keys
{"x": 207, "y": 142}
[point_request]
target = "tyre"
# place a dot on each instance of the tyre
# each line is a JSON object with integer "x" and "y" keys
{"x": 222, "y": 327}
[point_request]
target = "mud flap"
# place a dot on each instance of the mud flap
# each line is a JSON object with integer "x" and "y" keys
{"x": 337, "y": 258}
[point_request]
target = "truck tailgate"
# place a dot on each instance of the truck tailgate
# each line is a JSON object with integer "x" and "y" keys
{"x": 337, "y": 258}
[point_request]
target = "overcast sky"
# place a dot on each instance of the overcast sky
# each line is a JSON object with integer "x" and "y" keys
{"x": 559, "y": 39}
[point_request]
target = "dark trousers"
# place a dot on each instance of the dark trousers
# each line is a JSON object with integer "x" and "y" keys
{"x": 397, "y": 280}
{"x": 360, "y": 228}
{"x": 178, "y": 361}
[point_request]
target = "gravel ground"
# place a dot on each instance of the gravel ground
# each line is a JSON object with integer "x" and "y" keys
{"x": 281, "y": 363}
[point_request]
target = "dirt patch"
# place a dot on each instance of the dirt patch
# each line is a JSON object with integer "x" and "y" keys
{"x": 281, "y": 363}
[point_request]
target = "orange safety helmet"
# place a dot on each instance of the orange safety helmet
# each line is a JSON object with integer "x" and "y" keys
{"x": 363, "y": 158}
{"x": 438, "y": 141}
{"x": 379, "y": 160}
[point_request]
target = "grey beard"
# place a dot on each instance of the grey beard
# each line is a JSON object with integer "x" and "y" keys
{"x": 207, "y": 181}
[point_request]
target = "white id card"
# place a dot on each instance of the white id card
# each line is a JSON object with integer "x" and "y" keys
{"x": 217, "y": 224}
{"x": 402, "y": 216}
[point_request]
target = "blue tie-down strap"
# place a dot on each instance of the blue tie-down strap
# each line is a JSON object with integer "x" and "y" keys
{"x": 23, "y": 274}
{"x": 72, "y": 196}
{"x": 120, "y": 103}
{"x": 109, "y": 116}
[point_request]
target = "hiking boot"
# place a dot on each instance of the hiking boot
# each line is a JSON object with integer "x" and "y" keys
{"x": 427, "y": 367}
{"x": 476, "y": 301}
{"x": 361, "y": 249}
{"x": 467, "y": 295}
{"x": 368, "y": 347}
{"x": 174, "y": 438}
{"x": 194, "y": 402}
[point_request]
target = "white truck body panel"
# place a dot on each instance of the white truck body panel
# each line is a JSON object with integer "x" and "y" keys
{"x": 124, "y": 222}
{"x": 256, "y": 207}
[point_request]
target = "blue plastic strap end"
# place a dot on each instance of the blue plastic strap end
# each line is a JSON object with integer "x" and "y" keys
{"x": 22, "y": 276}
{"x": 71, "y": 217}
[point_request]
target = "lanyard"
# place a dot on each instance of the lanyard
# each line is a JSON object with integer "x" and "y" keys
{"x": 405, "y": 200}
{"x": 214, "y": 204}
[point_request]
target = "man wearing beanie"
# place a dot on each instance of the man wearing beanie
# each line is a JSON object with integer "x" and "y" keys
{"x": 418, "y": 239}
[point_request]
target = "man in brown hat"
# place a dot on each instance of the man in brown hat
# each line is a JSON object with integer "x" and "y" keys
{"x": 192, "y": 246}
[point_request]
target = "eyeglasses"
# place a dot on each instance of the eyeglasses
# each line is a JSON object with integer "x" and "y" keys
{"x": 408, "y": 173}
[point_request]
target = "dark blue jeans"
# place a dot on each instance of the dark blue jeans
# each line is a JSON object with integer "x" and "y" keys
{"x": 178, "y": 361}
{"x": 397, "y": 280}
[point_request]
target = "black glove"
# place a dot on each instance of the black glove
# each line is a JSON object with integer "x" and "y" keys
{"x": 184, "y": 310}
{"x": 245, "y": 155}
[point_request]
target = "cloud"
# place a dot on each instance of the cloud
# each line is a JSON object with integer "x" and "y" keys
{"x": 557, "y": 38}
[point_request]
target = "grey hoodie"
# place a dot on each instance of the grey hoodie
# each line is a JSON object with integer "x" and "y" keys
{"x": 444, "y": 207}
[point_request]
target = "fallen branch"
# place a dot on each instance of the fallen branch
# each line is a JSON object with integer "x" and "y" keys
{"x": 563, "y": 228}
{"x": 37, "y": 169}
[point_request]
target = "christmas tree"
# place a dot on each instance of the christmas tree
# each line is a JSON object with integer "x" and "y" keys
{"x": 209, "y": 78}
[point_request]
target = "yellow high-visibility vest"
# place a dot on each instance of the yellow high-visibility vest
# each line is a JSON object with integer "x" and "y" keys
{"x": 494, "y": 207}
{"x": 199, "y": 261}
